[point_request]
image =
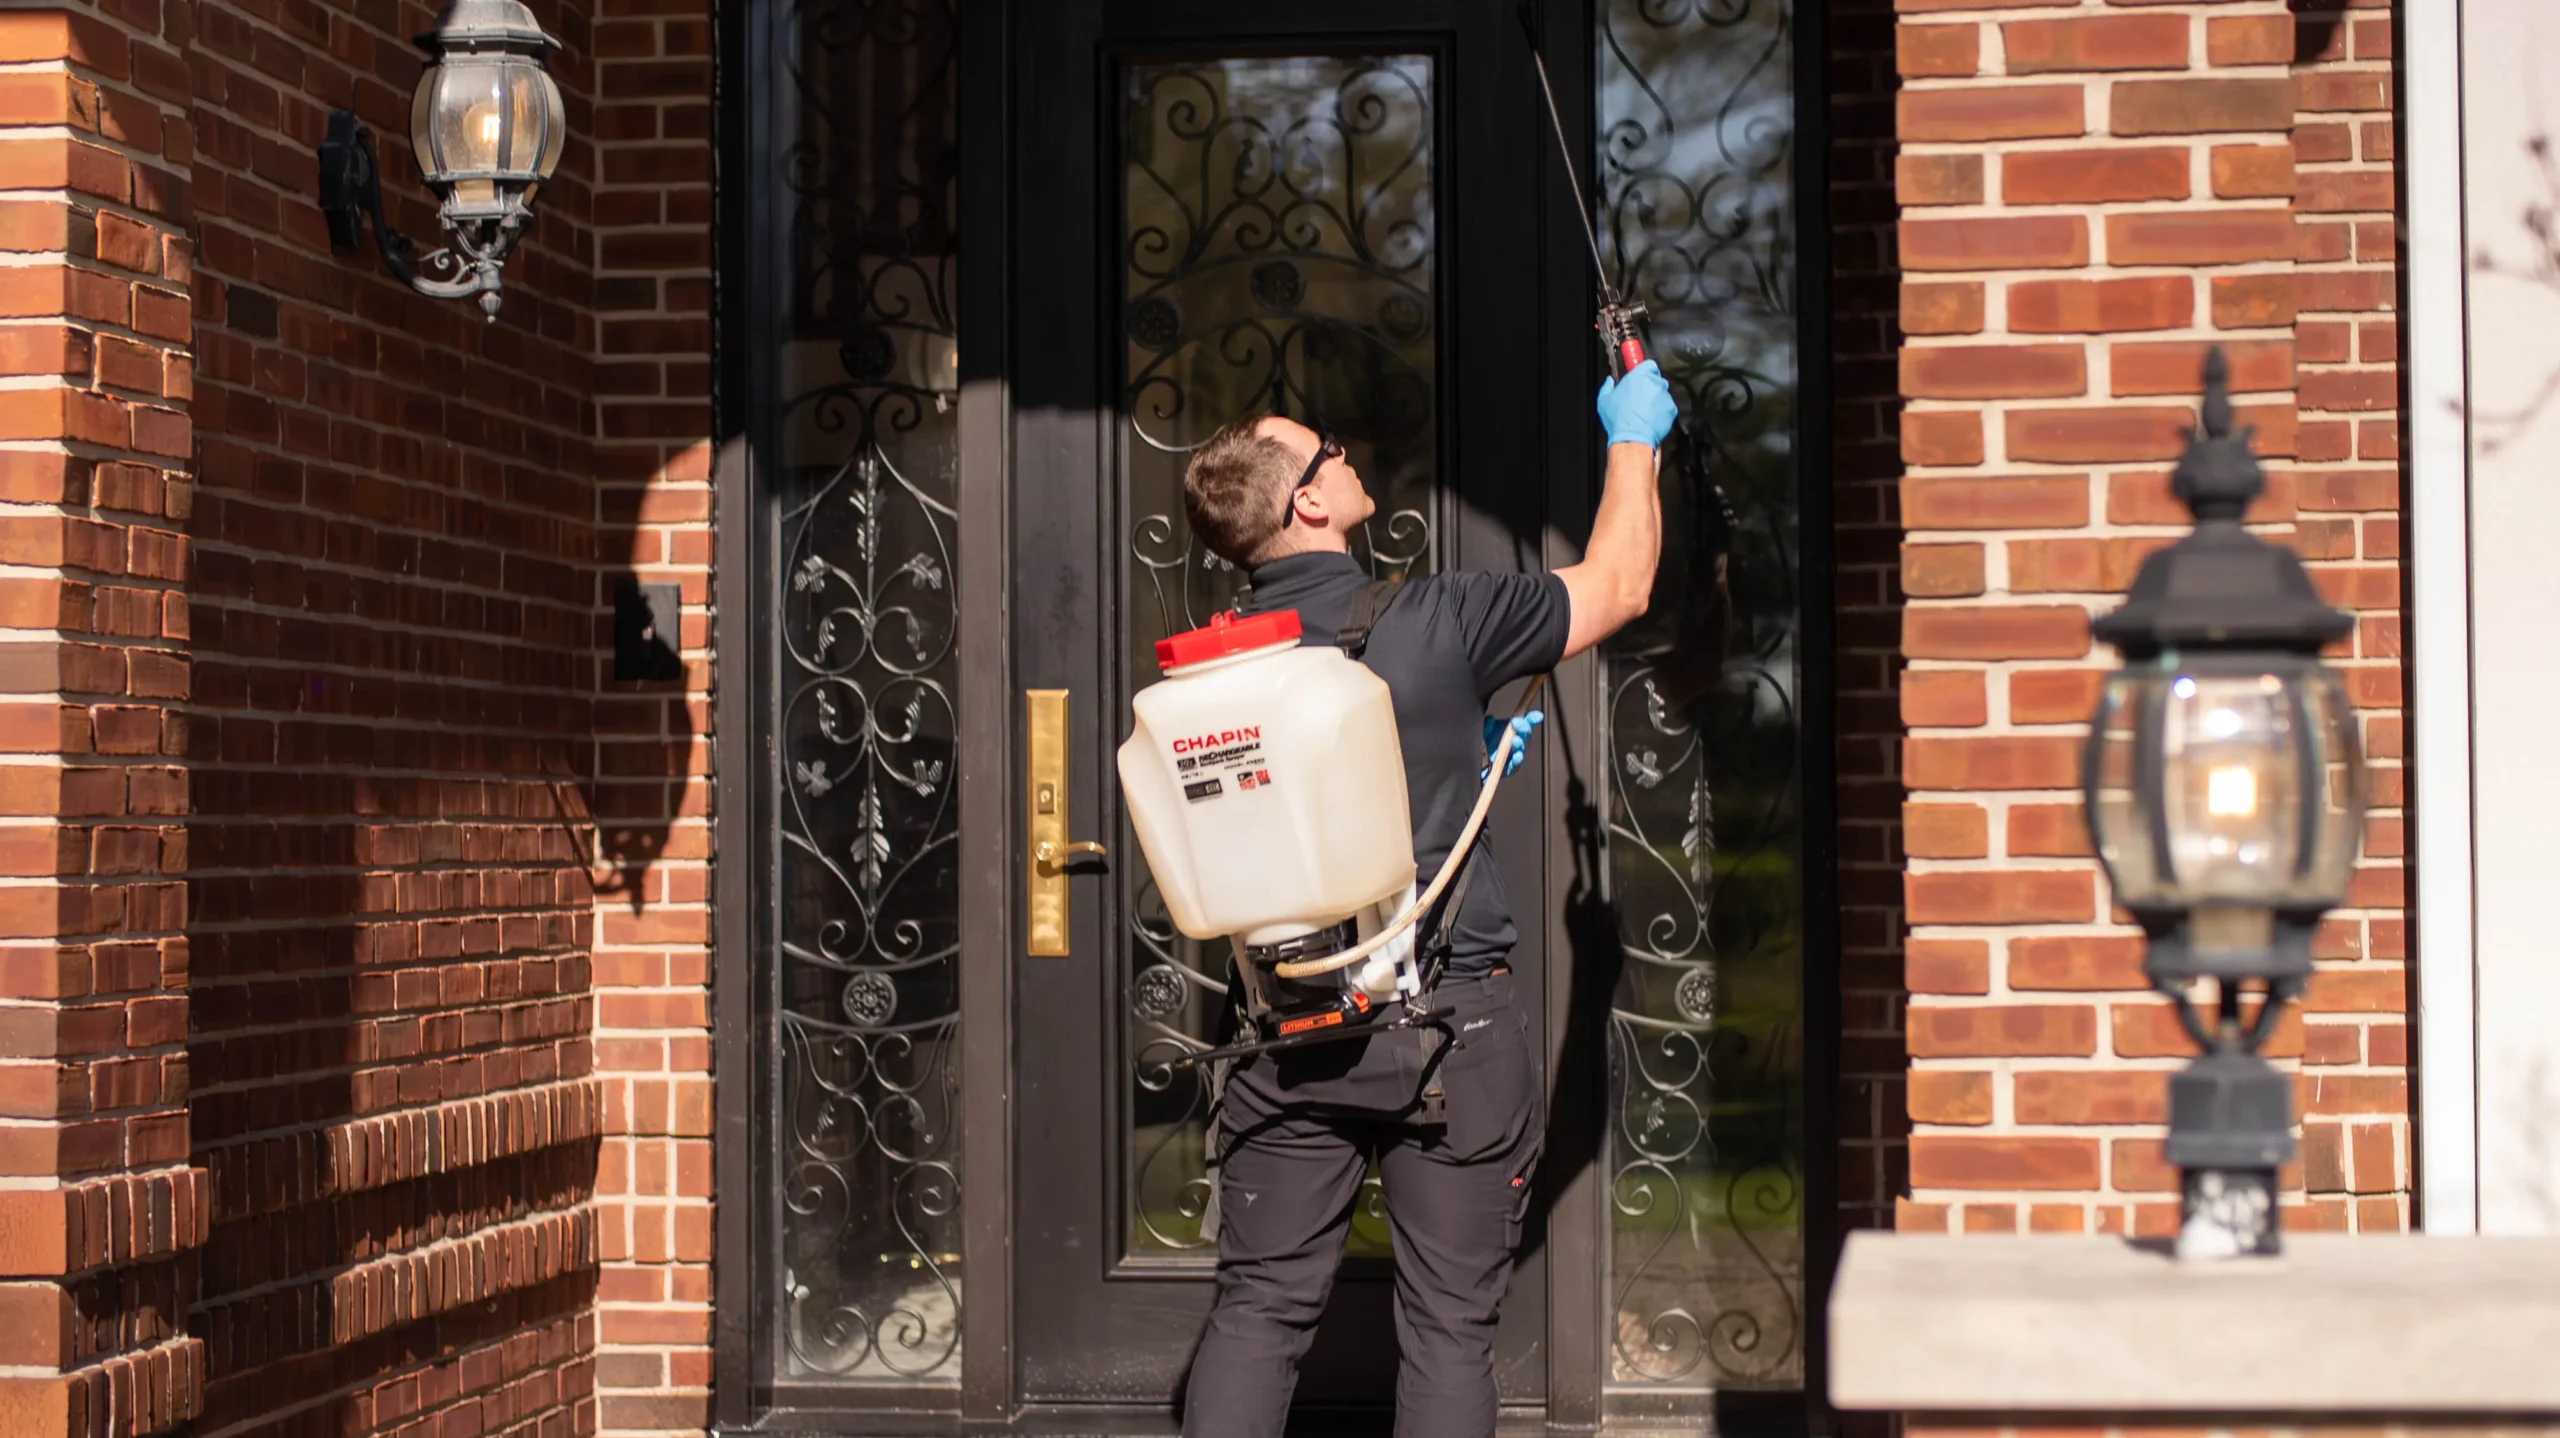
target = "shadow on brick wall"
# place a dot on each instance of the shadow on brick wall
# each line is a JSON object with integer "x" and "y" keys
{"x": 1867, "y": 539}
{"x": 390, "y": 935}
{"x": 2316, "y": 34}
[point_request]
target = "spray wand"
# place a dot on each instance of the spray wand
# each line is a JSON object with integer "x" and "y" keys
{"x": 1621, "y": 320}
{"x": 1696, "y": 657}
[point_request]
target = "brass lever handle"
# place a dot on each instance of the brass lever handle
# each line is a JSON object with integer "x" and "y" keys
{"x": 1054, "y": 858}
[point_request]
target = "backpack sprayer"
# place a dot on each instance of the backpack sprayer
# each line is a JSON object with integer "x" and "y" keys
{"x": 1266, "y": 785}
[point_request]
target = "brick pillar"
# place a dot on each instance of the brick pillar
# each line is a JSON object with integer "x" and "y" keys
{"x": 99, "y": 1208}
{"x": 2354, "y": 1097}
{"x": 2091, "y": 196}
{"x": 650, "y": 781}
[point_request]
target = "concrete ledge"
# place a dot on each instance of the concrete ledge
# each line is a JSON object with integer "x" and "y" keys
{"x": 2338, "y": 1324}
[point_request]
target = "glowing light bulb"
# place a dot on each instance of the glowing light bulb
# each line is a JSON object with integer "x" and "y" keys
{"x": 490, "y": 121}
{"x": 2231, "y": 792}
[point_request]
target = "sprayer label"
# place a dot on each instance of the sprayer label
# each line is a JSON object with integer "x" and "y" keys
{"x": 1215, "y": 764}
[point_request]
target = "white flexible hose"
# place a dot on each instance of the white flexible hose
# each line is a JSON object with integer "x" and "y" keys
{"x": 1310, "y": 968}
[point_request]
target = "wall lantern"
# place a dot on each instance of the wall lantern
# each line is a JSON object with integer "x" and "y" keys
{"x": 487, "y": 126}
{"x": 2226, "y": 797}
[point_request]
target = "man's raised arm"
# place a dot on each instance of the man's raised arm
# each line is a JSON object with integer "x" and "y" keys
{"x": 1610, "y": 588}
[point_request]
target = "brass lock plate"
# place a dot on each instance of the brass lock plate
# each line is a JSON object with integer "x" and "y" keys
{"x": 1045, "y": 771}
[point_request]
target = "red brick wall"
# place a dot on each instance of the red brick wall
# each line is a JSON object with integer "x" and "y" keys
{"x": 100, "y": 1210}
{"x": 2092, "y": 195}
{"x": 2355, "y": 1099}
{"x": 390, "y": 917}
{"x": 651, "y": 792}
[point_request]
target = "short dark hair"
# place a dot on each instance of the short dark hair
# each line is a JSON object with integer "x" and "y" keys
{"x": 1236, "y": 488}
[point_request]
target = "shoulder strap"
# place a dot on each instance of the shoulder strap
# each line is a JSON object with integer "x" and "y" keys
{"x": 1444, "y": 930}
{"x": 1368, "y": 605}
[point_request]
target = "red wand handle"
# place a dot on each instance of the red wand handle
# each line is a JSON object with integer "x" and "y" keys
{"x": 1622, "y": 326}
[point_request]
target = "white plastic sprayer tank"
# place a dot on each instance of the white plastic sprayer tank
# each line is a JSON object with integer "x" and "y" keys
{"x": 1265, "y": 782}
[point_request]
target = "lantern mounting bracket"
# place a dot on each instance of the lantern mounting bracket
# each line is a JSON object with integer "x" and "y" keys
{"x": 351, "y": 196}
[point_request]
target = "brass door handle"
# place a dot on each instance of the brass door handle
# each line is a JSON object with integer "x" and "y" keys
{"x": 1054, "y": 858}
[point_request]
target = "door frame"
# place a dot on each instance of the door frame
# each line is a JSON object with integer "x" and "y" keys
{"x": 988, "y": 836}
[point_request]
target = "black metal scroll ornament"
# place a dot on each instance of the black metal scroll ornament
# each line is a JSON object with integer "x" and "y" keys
{"x": 865, "y": 921}
{"x": 351, "y": 193}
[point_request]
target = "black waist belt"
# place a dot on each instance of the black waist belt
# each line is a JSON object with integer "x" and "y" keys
{"x": 1306, "y": 946}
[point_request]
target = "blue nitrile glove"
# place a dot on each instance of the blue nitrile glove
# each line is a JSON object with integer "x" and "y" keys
{"x": 1638, "y": 408}
{"x": 1521, "y": 726}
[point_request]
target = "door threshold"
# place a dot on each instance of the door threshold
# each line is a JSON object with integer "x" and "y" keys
{"x": 1079, "y": 1420}
{"x": 1099, "y": 1420}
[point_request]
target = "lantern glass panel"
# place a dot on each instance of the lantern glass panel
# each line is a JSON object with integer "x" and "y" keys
{"x": 527, "y": 117}
{"x": 2231, "y": 771}
{"x": 2226, "y": 780}
{"x": 2119, "y": 821}
{"x": 465, "y": 127}
{"x": 2339, "y": 783}
{"x": 555, "y": 128}
{"x": 422, "y": 131}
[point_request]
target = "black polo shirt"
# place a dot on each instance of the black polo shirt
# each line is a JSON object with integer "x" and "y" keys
{"x": 1447, "y": 644}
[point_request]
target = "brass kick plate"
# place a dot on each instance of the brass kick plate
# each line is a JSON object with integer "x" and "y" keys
{"x": 1045, "y": 769}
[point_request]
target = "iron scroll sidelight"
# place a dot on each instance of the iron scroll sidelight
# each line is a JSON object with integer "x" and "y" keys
{"x": 863, "y": 952}
{"x": 487, "y": 127}
{"x": 1703, "y": 811}
{"x": 2225, "y": 791}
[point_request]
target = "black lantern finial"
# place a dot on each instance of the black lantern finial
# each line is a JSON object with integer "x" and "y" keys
{"x": 2218, "y": 476}
{"x": 487, "y": 126}
{"x": 2221, "y": 587}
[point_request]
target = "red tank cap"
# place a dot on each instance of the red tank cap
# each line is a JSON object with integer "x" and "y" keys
{"x": 1227, "y": 635}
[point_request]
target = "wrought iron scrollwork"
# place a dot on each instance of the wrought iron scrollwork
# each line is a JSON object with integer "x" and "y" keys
{"x": 865, "y": 924}
{"x": 1279, "y": 252}
{"x": 1695, "y": 131}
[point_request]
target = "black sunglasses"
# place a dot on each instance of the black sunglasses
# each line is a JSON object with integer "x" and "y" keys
{"x": 1327, "y": 447}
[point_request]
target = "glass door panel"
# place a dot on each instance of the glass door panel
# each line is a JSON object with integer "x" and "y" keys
{"x": 1279, "y": 244}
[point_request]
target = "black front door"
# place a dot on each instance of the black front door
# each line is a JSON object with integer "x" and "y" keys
{"x": 1329, "y": 208}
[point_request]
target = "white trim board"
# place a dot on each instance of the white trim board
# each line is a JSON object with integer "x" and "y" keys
{"x": 2509, "y": 278}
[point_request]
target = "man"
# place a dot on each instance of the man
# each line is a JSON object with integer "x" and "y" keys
{"x": 1296, "y": 1128}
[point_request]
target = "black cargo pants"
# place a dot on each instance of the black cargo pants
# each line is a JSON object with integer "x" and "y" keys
{"x": 1296, "y": 1131}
